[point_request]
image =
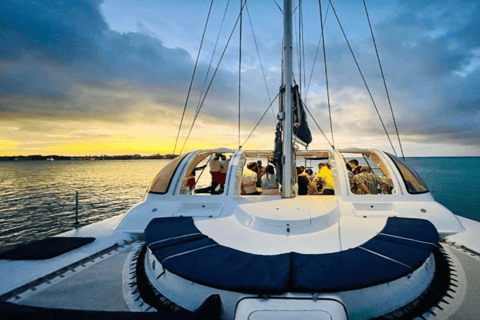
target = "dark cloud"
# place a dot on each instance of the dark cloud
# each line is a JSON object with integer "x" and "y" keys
{"x": 51, "y": 47}
{"x": 59, "y": 31}
{"x": 426, "y": 52}
{"x": 55, "y": 54}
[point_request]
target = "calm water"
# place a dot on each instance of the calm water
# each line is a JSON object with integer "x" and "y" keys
{"x": 37, "y": 198}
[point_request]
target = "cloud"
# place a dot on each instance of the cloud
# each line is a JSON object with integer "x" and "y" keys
{"x": 61, "y": 61}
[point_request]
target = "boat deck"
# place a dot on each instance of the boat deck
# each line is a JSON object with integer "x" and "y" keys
{"x": 96, "y": 285}
{"x": 103, "y": 284}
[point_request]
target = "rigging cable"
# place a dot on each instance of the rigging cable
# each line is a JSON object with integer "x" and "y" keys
{"x": 318, "y": 126}
{"x": 363, "y": 78}
{"x": 303, "y": 49}
{"x": 213, "y": 77}
{"x": 260, "y": 60}
{"x": 326, "y": 72}
{"x": 213, "y": 54}
{"x": 316, "y": 54}
{"x": 193, "y": 76}
{"x": 278, "y": 6}
{"x": 383, "y": 77}
{"x": 269, "y": 106}
{"x": 240, "y": 70}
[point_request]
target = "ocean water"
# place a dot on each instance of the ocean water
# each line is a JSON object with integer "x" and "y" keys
{"x": 37, "y": 198}
{"x": 453, "y": 181}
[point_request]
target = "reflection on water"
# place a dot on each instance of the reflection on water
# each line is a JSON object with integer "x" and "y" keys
{"x": 38, "y": 197}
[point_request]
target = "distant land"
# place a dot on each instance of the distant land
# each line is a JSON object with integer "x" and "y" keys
{"x": 102, "y": 157}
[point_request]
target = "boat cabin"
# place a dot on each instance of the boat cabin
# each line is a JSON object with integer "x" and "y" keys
{"x": 344, "y": 173}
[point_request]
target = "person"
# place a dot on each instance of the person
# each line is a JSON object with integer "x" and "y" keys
{"x": 215, "y": 171}
{"x": 249, "y": 180}
{"x": 191, "y": 178}
{"x": 353, "y": 185}
{"x": 310, "y": 173}
{"x": 325, "y": 176}
{"x": 354, "y": 165}
{"x": 269, "y": 182}
{"x": 260, "y": 172}
{"x": 303, "y": 182}
{"x": 223, "y": 172}
{"x": 366, "y": 181}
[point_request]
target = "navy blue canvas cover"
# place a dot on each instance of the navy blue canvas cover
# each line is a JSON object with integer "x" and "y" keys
{"x": 399, "y": 249}
{"x": 45, "y": 248}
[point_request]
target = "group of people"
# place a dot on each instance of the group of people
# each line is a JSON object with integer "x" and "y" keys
{"x": 257, "y": 176}
{"x": 321, "y": 183}
{"x": 218, "y": 170}
{"x": 257, "y": 180}
{"x": 364, "y": 181}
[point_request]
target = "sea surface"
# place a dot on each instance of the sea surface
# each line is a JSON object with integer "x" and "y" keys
{"x": 37, "y": 198}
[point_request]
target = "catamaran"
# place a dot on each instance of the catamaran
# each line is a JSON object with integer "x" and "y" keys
{"x": 216, "y": 251}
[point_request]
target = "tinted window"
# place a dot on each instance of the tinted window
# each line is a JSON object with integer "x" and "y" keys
{"x": 414, "y": 183}
{"x": 162, "y": 181}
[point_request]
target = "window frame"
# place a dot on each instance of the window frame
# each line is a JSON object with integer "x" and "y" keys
{"x": 163, "y": 174}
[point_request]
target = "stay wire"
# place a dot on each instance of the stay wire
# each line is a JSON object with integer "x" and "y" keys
{"x": 318, "y": 126}
{"x": 316, "y": 55}
{"x": 363, "y": 78}
{"x": 278, "y": 6}
{"x": 193, "y": 76}
{"x": 213, "y": 77}
{"x": 260, "y": 60}
{"x": 213, "y": 55}
{"x": 240, "y": 71}
{"x": 269, "y": 106}
{"x": 383, "y": 77}
{"x": 326, "y": 73}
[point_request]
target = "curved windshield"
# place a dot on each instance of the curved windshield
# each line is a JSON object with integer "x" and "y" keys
{"x": 162, "y": 181}
{"x": 368, "y": 174}
{"x": 414, "y": 183}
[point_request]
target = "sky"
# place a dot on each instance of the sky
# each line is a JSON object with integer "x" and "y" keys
{"x": 90, "y": 77}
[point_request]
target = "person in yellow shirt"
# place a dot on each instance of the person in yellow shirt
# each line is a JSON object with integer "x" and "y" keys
{"x": 325, "y": 176}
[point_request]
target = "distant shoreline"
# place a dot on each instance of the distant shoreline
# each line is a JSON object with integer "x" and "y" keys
{"x": 86, "y": 158}
{"x": 140, "y": 157}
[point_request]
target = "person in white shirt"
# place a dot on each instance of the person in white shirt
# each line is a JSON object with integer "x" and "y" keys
{"x": 249, "y": 180}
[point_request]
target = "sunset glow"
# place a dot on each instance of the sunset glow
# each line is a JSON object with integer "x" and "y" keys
{"x": 112, "y": 77}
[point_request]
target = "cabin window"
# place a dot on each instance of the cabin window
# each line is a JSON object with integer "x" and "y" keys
{"x": 259, "y": 175}
{"x": 314, "y": 174}
{"x": 162, "y": 181}
{"x": 367, "y": 174}
{"x": 206, "y": 174}
{"x": 414, "y": 183}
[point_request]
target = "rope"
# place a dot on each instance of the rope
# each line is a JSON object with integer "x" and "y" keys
{"x": 269, "y": 106}
{"x": 193, "y": 76}
{"x": 213, "y": 77}
{"x": 383, "y": 77}
{"x": 326, "y": 72}
{"x": 363, "y": 78}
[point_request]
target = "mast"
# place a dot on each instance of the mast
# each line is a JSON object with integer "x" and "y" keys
{"x": 287, "y": 179}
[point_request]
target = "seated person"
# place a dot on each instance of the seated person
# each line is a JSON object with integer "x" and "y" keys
{"x": 326, "y": 176}
{"x": 249, "y": 180}
{"x": 306, "y": 187}
{"x": 366, "y": 181}
{"x": 269, "y": 182}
